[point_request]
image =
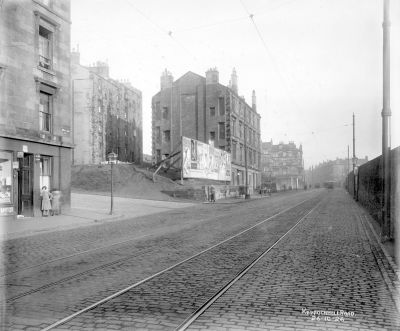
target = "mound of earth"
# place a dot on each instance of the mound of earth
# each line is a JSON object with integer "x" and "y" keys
{"x": 128, "y": 181}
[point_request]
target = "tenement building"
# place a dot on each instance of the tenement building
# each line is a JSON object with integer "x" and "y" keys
{"x": 35, "y": 104}
{"x": 201, "y": 108}
{"x": 282, "y": 165}
{"x": 335, "y": 171}
{"x": 107, "y": 115}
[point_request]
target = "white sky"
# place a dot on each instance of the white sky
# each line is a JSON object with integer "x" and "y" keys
{"x": 312, "y": 62}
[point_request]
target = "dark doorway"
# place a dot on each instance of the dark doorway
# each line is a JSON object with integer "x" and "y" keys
{"x": 25, "y": 185}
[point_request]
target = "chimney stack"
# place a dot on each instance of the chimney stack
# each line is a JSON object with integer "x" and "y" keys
{"x": 234, "y": 81}
{"x": 166, "y": 80}
{"x": 254, "y": 101}
{"x": 212, "y": 76}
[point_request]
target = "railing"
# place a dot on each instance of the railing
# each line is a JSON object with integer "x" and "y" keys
{"x": 44, "y": 62}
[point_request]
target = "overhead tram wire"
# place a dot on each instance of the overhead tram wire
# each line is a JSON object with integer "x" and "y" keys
{"x": 274, "y": 63}
{"x": 231, "y": 20}
{"x": 162, "y": 30}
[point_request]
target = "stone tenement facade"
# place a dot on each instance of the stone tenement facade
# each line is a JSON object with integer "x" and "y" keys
{"x": 201, "y": 108}
{"x": 331, "y": 171}
{"x": 35, "y": 104}
{"x": 282, "y": 165}
{"x": 107, "y": 115}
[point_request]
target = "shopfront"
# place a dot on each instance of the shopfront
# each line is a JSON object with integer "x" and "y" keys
{"x": 25, "y": 167}
{"x": 6, "y": 182}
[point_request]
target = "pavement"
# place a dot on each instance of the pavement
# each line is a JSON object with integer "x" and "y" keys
{"x": 92, "y": 209}
{"x": 86, "y": 210}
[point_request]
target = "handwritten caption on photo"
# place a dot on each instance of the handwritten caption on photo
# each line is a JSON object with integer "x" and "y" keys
{"x": 328, "y": 315}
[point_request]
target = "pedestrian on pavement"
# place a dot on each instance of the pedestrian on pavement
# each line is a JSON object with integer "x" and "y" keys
{"x": 46, "y": 201}
{"x": 212, "y": 188}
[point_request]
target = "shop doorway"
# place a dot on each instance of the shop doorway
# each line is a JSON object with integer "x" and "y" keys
{"x": 25, "y": 185}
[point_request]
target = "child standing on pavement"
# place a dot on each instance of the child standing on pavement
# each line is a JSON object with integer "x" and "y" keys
{"x": 46, "y": 203}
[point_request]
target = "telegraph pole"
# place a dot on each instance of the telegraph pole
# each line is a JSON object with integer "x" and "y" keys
{"x": 246, "y": 195}
{"x": 180, "y": 131}
{"x": 354, "y": 157}
{"x": 348, "y": 166}
{"x": 386, "y": 114}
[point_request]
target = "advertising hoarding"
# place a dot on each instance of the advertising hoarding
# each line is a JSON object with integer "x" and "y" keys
{"x": 201, "y": 160}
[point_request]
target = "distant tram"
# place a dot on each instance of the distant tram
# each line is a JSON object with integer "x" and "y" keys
{"x": 330, "y": 184}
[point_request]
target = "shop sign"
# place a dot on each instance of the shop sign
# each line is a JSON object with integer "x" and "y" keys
{"x": 6, "y": 210}
{"x": 20, "y": 155}
{"x": 15, "y": 165}
{"x": 25, "y": 148}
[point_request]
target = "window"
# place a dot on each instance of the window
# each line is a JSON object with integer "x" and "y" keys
{"x": 158, "y": 135}
{"x": 212, "y": 136}
{"x": 45, "y": 172}
{"x": 233, "y": 126}
{"x": 158, "y": 155}
{"x": 45, "y": 48}
{"x": 234, "y": 151}
{"x": 212, "y": 111}
{"x": 167, "y": 136}
{"x": 158, "y": 111}
{"x": 165, "y": 113}
{"x": 241, "y": 129}
{"x": 241, "y": 153}
{"x": 6, "y": 174}
{"x": 221, "y": 106}
{"x": 45, "y": 111}
{"x": 221, "y": 130}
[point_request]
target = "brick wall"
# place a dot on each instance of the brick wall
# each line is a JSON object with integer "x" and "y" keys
{"x": 369, "y": 192}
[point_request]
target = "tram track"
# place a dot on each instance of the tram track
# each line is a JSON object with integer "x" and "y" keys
{"x": 88, "y": 251}
{"x": 191, "y": 319}
{"x": 228, "y": 241}
{"x": 10, "y": 270}
{"x": 103, "y": 266}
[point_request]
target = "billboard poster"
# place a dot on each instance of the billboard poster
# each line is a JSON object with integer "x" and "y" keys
{"x": 201, "y": 160}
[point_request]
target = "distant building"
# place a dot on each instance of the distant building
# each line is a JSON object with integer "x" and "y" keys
{"x": 147, "y": 158}
{"x": 107, "y": 115}
{"x": 201, "y": 108}
{"x": 282, "y": 165}
{"x": 35, "y": 104}
{"x": 331, "y": 171}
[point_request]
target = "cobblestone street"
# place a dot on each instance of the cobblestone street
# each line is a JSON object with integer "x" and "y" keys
{"x": 325, "y": 266}
{"x": 73, "y": 268}
{"x": 329, "y": 272}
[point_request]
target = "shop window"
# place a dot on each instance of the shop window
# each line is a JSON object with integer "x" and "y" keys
{"x": 45, "y": 171}
{"x": 6, "y": 173}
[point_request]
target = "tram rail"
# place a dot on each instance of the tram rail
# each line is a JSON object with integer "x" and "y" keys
{"x": 67, "y": 319}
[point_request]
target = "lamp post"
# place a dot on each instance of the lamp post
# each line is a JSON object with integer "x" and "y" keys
{"x": 112, "y": 158}
{"x": 386, "y": 114}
